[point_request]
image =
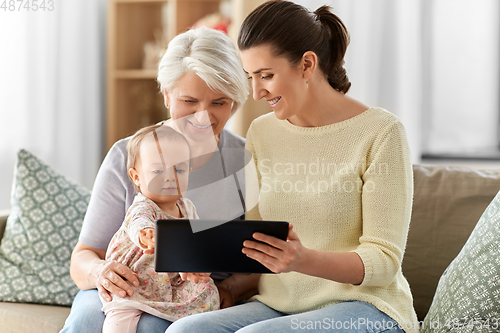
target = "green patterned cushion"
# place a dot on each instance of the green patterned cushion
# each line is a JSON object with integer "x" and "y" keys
{"x": 42, "y": 229}
{"x": 467, "y": 298}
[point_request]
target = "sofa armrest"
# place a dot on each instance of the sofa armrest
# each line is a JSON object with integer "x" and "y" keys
{"x": 4, "y": 214}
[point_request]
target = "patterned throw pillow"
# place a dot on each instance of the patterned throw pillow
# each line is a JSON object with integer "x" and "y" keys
{"x": 47, "y": 214}
{"x": 467, "y": 298}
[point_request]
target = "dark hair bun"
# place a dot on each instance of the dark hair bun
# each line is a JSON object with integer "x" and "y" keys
{"x": 336, "y": 36}
{"x": 292, "y": 30}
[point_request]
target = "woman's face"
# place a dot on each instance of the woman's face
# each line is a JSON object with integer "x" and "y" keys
{"x": 189, "y": 97}
{"x": 274, "y": 79}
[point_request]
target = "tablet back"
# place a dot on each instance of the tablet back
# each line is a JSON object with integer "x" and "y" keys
{"x": 217, "y": 249}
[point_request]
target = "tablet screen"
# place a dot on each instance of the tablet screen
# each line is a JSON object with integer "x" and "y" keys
{"x": 217, "y": 249}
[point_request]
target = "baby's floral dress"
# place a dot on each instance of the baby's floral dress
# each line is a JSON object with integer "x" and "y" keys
{"x": 164, "y": 295}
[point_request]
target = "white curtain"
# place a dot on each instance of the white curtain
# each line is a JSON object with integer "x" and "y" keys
{"x": 52, "y": 75}
{"x": 433, "y": 63}
{"x": 462, "y": 115}
{"x": 384, "y": 60}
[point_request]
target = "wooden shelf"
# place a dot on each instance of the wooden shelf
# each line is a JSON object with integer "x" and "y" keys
{"x": 135, "y": 74}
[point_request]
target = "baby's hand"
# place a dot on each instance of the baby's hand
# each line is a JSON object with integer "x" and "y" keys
{"x": 196, "y": 277}
{"x": 147, "y": 240}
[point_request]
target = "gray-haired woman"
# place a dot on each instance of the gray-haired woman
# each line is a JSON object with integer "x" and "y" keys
{"x": 200, "y": 71}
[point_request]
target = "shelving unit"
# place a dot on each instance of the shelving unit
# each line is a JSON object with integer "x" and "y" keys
{"x": 133, "y": 96}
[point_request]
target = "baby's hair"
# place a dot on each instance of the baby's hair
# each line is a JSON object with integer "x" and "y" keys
{"x": 160, "y": 131}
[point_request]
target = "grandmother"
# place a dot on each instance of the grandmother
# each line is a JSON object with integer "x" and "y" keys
{"x": 202, "y": 81}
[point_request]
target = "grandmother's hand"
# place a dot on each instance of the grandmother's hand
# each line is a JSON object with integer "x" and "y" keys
{"x": 225, "y": 296}
{"x": 110, "y": 279}
{"x": 277, "y": 255}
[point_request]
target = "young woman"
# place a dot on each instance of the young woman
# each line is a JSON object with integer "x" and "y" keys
{"x": 338, "y": 170}
{"x": 200, "y": 71}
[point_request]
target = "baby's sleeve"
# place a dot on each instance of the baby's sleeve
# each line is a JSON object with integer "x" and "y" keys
{"x": 141, "y": 216}
{"x": 191, "y": 212}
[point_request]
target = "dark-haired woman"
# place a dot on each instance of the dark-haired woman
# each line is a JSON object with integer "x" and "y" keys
{"x": 338, "y": 170}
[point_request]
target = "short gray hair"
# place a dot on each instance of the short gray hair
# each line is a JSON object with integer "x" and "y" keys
{"x": 212, "y": 55}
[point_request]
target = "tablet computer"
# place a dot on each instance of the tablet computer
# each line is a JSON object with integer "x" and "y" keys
{"x": 218, "y": 249}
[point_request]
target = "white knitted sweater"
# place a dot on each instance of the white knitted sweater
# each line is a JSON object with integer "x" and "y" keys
{"x": 347, "y": 186}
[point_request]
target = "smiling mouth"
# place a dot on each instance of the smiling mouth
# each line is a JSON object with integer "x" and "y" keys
{"x": 274, "y": 101}
{"x": 200, "y": 126}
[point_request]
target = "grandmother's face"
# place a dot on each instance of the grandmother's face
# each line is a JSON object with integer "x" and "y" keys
{"x": 189, "y": 97}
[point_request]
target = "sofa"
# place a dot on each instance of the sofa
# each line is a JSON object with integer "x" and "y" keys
{"x": 448, "y": 201}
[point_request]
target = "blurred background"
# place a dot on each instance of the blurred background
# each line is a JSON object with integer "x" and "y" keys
{"x": 75, "y": 76}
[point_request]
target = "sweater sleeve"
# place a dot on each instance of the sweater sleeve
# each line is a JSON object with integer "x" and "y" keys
{"x": 386, "y": 206}
{"x": 140, "y": 216}
{"x": 252, "y": 181}
{"x": 190, "y": 208}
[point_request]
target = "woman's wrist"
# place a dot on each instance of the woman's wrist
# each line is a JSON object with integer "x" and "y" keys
{"x": 308, "y": 261}
{"x": 342, "y": 267}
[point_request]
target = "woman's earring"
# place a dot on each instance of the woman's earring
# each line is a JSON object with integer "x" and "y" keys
{"x": 307, "y": 83}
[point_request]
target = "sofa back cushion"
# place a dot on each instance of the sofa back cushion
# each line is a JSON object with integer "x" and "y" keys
{"x": 447, "y": 204}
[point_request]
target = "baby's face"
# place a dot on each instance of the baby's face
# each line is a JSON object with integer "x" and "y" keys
{"x": 163, "y": 176}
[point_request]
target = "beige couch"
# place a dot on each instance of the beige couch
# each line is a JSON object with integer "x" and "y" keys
{"x": 448, "y": 202}
{"x": 18, "y": 318}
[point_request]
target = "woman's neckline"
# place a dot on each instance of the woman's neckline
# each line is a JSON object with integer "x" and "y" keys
{"x": 338, "y": 124}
